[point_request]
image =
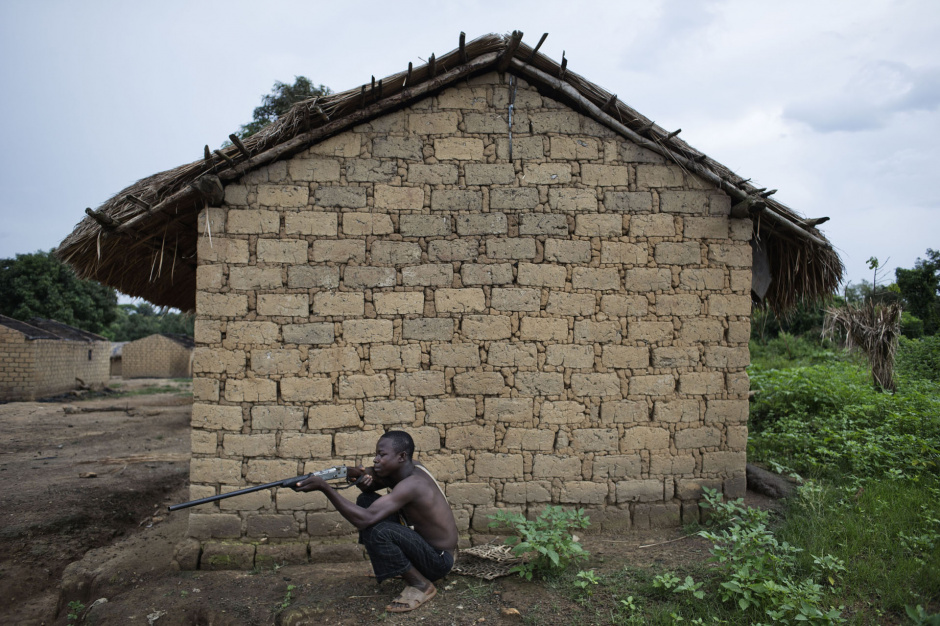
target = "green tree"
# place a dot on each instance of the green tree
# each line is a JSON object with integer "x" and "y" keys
{"x": 920, "y": 290}
{"x": 280, "y": 100}
{"x": 40, "y": 285}
{"x": 135, "y": 321}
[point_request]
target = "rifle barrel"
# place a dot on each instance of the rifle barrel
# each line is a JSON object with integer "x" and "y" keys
{"x": 186, "y": 505}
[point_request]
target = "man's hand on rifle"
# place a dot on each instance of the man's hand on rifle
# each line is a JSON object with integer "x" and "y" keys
{"x": 313, "y": 483}
{"x": 360, "y": 476}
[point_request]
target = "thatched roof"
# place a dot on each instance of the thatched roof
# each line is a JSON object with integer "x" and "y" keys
{"x": 143, "y": 240}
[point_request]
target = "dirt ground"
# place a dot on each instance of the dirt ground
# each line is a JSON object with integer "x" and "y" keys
{"x": 69, "y": 536}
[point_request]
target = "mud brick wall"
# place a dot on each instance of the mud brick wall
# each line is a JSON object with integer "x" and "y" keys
{"x": 44, "y": 367}
{"x": 155, "y": 357}
{"x": 568, "y": 325}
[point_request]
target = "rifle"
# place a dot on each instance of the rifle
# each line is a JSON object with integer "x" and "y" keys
{"x": 331, "y": 473}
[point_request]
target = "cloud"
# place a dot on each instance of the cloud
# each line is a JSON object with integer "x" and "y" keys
{"x": 870, "y": 98}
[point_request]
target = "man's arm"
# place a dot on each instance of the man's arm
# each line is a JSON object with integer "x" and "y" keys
{"x": 356, "y": 515}
{"x": 367, "y": 481}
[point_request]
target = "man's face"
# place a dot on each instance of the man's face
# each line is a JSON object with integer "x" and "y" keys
{"x": 386, "y": 460}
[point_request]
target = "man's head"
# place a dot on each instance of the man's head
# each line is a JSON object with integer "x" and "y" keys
{"x": 401, "y": 442}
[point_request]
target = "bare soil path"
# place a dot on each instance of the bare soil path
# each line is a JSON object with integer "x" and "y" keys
{"x": 64, "y": 537}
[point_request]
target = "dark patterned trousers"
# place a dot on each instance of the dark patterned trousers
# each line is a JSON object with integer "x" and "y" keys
{"x": 394, "y": 548}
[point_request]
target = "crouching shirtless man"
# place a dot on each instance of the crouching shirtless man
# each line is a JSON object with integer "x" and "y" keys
{"x": 419, "y": 556}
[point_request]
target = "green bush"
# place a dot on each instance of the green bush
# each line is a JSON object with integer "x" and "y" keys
{"x": 546, "y": 543}
{"x": 787, "y": 350}
{"x": 919, "y": 358}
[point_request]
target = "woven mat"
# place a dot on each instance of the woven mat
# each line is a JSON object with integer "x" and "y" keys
{"x": 487, "y": 561}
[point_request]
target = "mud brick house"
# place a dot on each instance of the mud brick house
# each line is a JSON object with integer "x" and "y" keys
{"x": 551, "y": 293}
{"x": 44, "y": 358}
{"x": 158, "y": 356}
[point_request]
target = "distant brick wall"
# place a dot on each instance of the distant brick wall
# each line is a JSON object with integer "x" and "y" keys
{"x": 569, "y": 326}
{"x": 46, "y": 367}
{"x": 155, "y": 357}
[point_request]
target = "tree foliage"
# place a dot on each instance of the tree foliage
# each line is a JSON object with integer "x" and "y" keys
{"x": 39, "y": 285}
{"x": 920, "y": 290}
{"x": 280, "y": 100}
{"x": 135, "y": 321}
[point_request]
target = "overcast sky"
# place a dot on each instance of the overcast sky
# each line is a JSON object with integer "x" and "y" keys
{"x": 835, "y": 103}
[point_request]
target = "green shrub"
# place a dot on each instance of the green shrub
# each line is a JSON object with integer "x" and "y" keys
{"x": 546, "y": 543}
{"x": 787, "y": 350}
{"x": 919, "y": 359}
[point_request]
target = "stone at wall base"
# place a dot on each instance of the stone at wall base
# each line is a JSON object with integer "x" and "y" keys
{"x": 186, "y": 555}
{"x": 272, "y": 555}
{"x": 227, "y": 556}
{"x": 336, "y": 553}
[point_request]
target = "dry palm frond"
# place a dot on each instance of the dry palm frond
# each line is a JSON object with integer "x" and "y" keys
{"x": 873, "y": 329}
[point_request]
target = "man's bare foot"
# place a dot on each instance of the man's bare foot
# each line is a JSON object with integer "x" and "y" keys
{"x": 411, "y": 598}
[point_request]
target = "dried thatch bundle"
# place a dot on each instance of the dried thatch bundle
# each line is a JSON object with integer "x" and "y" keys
{"x": 874, "y": 329}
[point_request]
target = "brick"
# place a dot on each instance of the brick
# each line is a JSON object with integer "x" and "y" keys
{"x": 367, "y": 331}
{"x": 727, "y": 358}
{"x": 512, "y": 248}
{"x": 450, "y": 410}
{"x": 385, "y": 357}
{"x": 205, "y": 526}
{"x": 313, "y": 170}
{"x": 395, "y": 252}
{"x": 339, "y": 304}
{"x": 346, "y": 197}
{"x": 567, "y": 199}
{"x": 486, "y": 327}
{"x": 479, "y": 383}
{"x": 206, "y": 389}
{"x": 632, "y": 202}
{"x": 514, "y": 198}
{"x": 643, "y": 279}
{"x": 625, "y": 357}
{"x": 446, "y": 468}
{"x": 456, "y": 200}
{"x": 541, "y": 275}
{"x": 470, "y": 493}
{"x": 563, "y": 121}
{"x": 595, "y": 278}
{"x": 605, "y": 175}
{"x": 463, "y": 98}
{"x": 615, "y": 252}
{"x": 659, "y": 176}
{"x": 249, "y": 445}
{"x": 369, "y": 277}
{"x": 701, "y": 383}
{"x": 437, "y": 174}
{"x": 575, "y": 357}
{"x": 370, "y": 170}
{"x": 672, "y": 465}
{"x": 333, "y": 416}
{"x": 222, "y": 250}
{"x": 464, "y": 355}
{"x": 680, "y": 305}
{"x": 705, "y": 228}
{"x": 398, "y": 303}
{"x": 649, "y": 490}
{"x": 250, "y": 390}
{"x": 653, "y": 225}
{"x": 650, "y": 332}
{"x": 742, "y": 229}
{"x": 697, "y": 438}
{"x": 328, "y": 524}
{"x": 735, "y": 255}
{"x": 428, "y": 329}
{"x": 570, "y": 304}
{"x": 458, "y": 148}
{"x": 227, "y": 556}
{"x": 617, "y": 466}
{"x": 738, "y": 383}
{"x": 567, "y": 251}
{"x": 668, "y": 253}
{"x": 221, "y": 305}
{"x": 587, "y": 331}
{"x": 218, "y": 361}
{"x": 433, "y": 275}
{"x": 546, "y": 173}
{"x": 624, "y": 412}
{"x": 277, "y": 418}
{"x": 512, "y": 354}
{"x": 644, "y": 438}
{"x": 276, "y": 361}
{"x": 251, "y": 278}
{"x": 511, "y": 410}
{"x": 729, "y": 305}
{"x": 361, "y": 224}
{"x": 574, "y": 148}
{"x": 283, "y": 196}
{"x": 534, "y": 439}
{"x": 701, "y": 330}
{"x": 595, "y": 439}
{"x": 668, "y": 357}
{"x": 209, "y": 277}
{"x": 234, "y": 195}
{"x": 690, "y": 202}
{"x": 541, "y": 224}
{"x": 306, "y": 389}
{"x": 390, "y": 412}
{"x": 398, "y": 147}
{"x": 543, "y": 329}
{"x": 488, "y": 465}
{"x": 489, "y": 122}
{"x": 562, "y": 412}
{"x": 304, "y": 276}
{"x": 363, "y": 386}
{"x": 727, "y": 463}
{"x": 486, "y": 174}
{"x": 486, "y": 274}
{"x": 453, "y": 250}
{"x": 433, "y": 123}
{"x": 318, "y": 333}
{"x": 658, "y": 385}
{"x": 553, "y": 466}
{"x": 251, "y": 333}
{"x": 329, "y": 360}
{"x": 344, "y": 145}
{"x": 215, "y": 417}
{"x": 419, "y": 384}
{"x": 284, "y": 304}
{"x": 726, "y": 412}
{"x": 482, "y": 224}
{"x": 532, "y": 491}
{"x": 252, "y": 222}
{"x": 338, "y": 251}
{"x": 539, "y": 384}
{"x": 595, "y": 385}
{"x": 424, "y": 225}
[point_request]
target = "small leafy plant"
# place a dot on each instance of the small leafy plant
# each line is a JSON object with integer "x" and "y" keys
{"x": 75, "y": 611}
{"x": 545, "y": 543}
{"x": 288, "y": 598}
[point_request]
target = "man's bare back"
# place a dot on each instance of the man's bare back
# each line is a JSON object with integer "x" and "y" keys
{"x": 427, "y": 510}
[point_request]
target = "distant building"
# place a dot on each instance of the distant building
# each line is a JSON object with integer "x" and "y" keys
{"x": 45, "y": 358}
{"x": 158, "y": 356}
{"x": 117, "y": 353}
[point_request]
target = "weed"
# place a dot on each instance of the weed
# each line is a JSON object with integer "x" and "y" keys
{"x": 285, "y": 602}
{"x": 75, "y": 609}
{"x": 546, "y": 543}
{"x": 585, "y": 581}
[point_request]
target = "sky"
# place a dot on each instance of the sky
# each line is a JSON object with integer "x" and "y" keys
{"x": 835, "y": 103}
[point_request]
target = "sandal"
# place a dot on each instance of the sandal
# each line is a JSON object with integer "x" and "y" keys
{"x": 411, "y": 598}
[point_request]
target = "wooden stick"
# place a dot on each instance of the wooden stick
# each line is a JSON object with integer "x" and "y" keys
{"x": 662, "y": 543}
{"x": 700, "y": 158}
{"x": 432, "y": 66}
{"x": 611, "y": 101}
{"x": 564, "y": 66}
{"x": 135, "y": 200}
{"x": 645, "y": 127}
{"x": 672, "y": 134}
{"x": 379, "y": 97}
{"x": 362, "y": 97}
{"x": 321, "y": 113}
{"x": 537, "y": 46}
{"x": 225, "y": 158}
{"x": 463, "y": 47}
{"x": 767, "y": 194}
{"x": 238, "y": 144}
{"x": 207, "y": 156}
{"x": 408, "y": 76}
{"x": 816, "y": 221}
{"x": 105, "y": 221}
{"x": 511, "y": 46}
{"x": 744, "y": 208}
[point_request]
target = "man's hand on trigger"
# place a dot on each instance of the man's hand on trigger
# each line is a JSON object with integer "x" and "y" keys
{"x": 312, "y": 483}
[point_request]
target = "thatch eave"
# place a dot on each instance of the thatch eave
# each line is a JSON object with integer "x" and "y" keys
{"x": 143, "y": 240}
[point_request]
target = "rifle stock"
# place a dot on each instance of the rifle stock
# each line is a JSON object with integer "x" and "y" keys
{"x": 331, "y": 473}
